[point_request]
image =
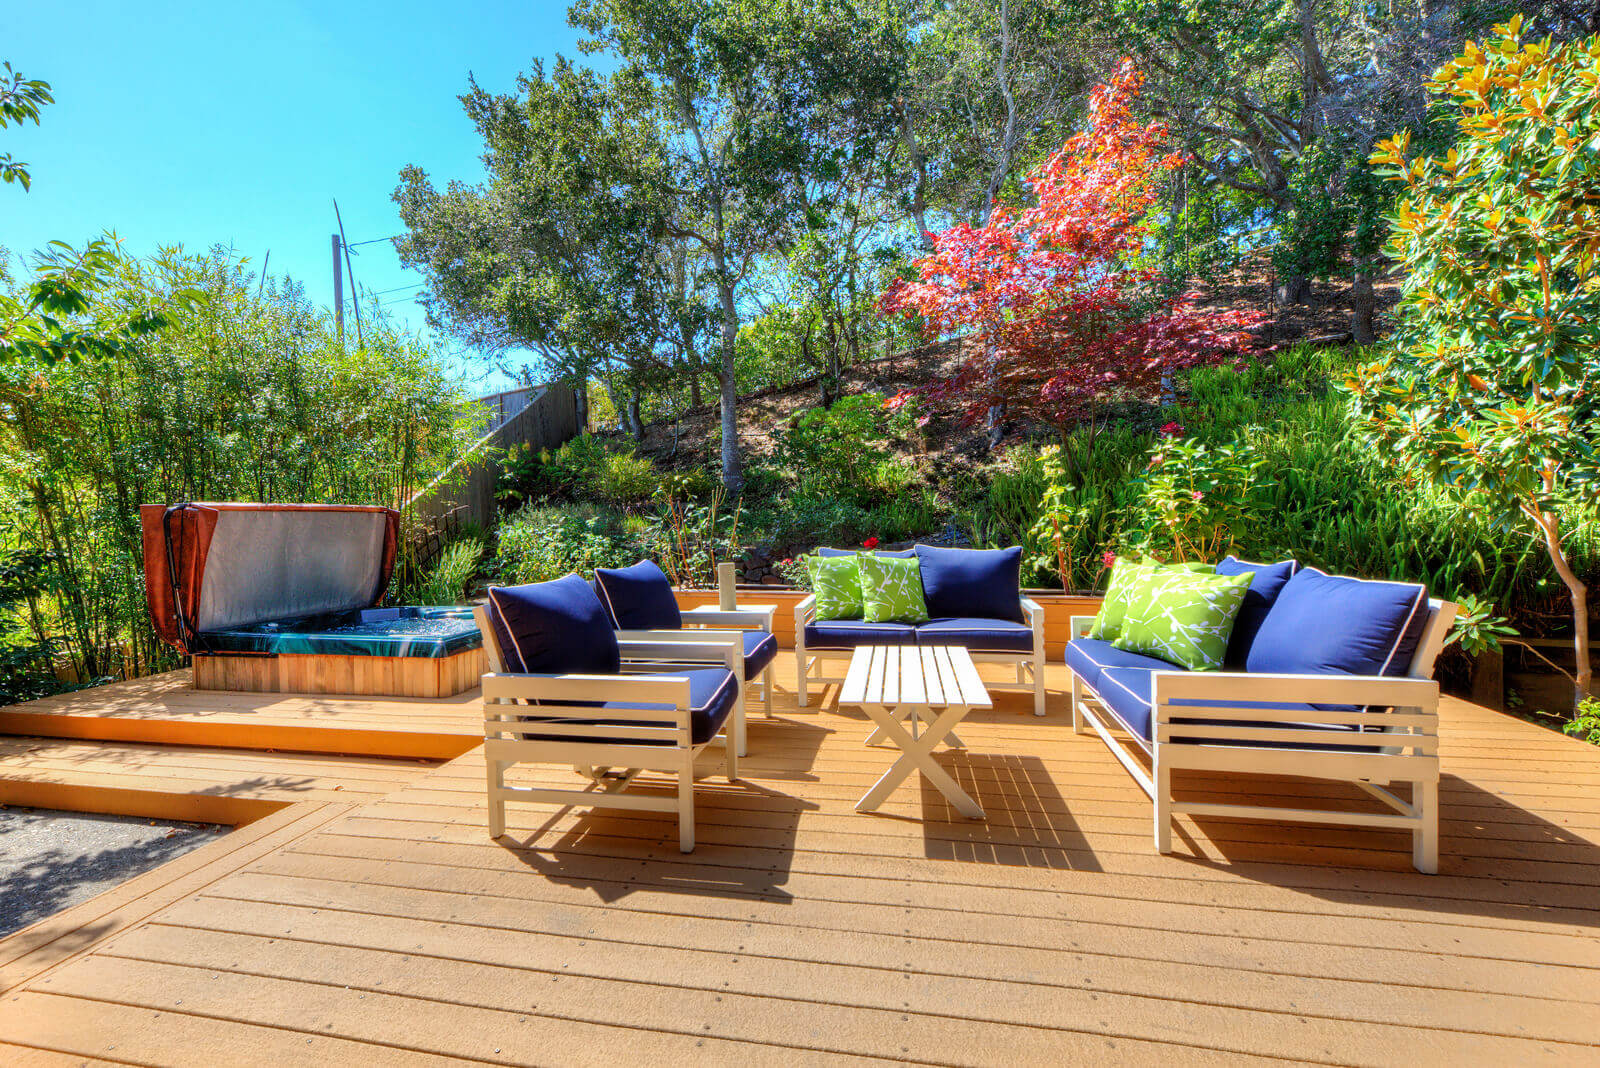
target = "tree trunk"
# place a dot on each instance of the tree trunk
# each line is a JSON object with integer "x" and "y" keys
{"x": 997, "y": 425}
{"x": 1363, "y": 305}
{"x": 1582, "y": 676}
{"x": 694, "y": 390}
{"x": 581, "y": 395}
{"x": 635, "y": 423}
{"x": 732, "y": 469}
{"x": 1296, "y": 289}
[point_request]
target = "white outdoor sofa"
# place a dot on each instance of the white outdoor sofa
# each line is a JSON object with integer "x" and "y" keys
{"x": 669, "y": 700}
{"x": 1372, "y": 730}
{"x": 973, "y": 616}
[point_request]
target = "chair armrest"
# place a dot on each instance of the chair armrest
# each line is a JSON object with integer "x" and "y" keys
{"x": 748, "y": 616}
{"x": 805, "y": 611}
{"x": 1032, "y": 613}
{"x": 505, "y": 686}
{"x": 1232, "y": 694}
{"x": 1081, "y": 625}
{"x": 707, "y": 649}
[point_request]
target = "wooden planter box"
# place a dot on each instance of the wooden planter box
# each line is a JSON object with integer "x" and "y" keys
{"x": 387, "y": 676}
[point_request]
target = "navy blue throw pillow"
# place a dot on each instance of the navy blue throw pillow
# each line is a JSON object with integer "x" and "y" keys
{"x": 1325, "y": 624}
{"x": 1266, "y": 582}
{"x": 554, "y": 628}
{"x": 638, "y": 597}
{"x": 975, "y": 583}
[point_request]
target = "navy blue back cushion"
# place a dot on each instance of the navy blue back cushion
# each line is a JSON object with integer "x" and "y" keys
{"x": 638, "y": 597}
{"x": 1325, "y": 624}
{"x": 554, "y": 628}
{"x": 981, "y": 583}
{"x": 901, "y": 554}
{"x": 1266, "y": 582}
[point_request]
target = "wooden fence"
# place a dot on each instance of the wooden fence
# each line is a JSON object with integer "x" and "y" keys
{"x": 549, "y": 419}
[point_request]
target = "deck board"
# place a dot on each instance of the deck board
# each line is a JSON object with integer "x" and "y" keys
{"x": 394, "y": 929}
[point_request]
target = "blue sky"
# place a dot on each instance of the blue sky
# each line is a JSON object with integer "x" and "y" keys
{"x": 239, "y": 123}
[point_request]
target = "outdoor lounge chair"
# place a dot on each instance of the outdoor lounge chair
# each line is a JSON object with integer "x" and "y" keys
{"x": 641, "y": 605}
{"x": 565, "y": 689}
{"x": 975, "y": 599}
{"x": 1332, "y": 680}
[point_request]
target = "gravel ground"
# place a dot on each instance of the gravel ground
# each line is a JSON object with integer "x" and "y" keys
{"x": 51, "y": 860}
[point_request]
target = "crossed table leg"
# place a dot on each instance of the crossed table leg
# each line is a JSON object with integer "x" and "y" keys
{"x": 917, "y": 753}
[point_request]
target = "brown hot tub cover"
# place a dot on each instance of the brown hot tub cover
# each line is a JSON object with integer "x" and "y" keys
{"x": 213, "y": 566}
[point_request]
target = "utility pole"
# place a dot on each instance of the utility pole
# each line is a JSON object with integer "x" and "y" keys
{"x": 355, "y": 294}
{"x": 338, "y": 288}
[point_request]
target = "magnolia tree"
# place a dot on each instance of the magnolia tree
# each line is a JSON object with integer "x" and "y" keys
{"x": 1060, "y": 319}
{"x": 1488, "y": 386}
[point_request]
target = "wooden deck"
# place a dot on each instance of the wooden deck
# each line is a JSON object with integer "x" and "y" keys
{"x": 379, "y": 924}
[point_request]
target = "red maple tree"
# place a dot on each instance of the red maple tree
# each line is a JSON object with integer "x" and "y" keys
{"x": 1062, "y": 319}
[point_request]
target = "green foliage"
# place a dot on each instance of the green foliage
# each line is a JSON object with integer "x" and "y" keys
{"x": 584, "y": 468}
{"x": 446, "y": 584}
{"x": 1478, "y": 628}
{"x": 542, "y": 543}
{"x": 843, "y": 450}
{"x": 20, "y": 102}
{"x": 1487, "y": 388}
{"x": 1328, "y": 498}
{"x": 246, "y": 395}
{"x": 1585, "y": 724}
{"x": 63, "y": 315}
{"x": 1195, "y": 500}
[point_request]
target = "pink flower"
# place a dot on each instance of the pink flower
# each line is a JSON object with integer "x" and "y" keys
{"x": 1172, "y": 430}
{"x": 1196, "y": 494}
{"x": 1108, "y": 559}
{"x": 870, "y": 543}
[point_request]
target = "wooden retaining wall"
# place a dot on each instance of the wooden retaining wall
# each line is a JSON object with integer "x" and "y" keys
{"x": 1059, "y": 608}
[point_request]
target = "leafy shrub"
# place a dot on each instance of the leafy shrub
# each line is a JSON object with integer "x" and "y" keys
{"x": 1196, "y": 500}
{"x": 843, "y": 450}
{"x": 626, "y": 480}
{"x": 447, "y": 582}
{"x": 1585, "y": 723}
{"x": 539, "y": 544}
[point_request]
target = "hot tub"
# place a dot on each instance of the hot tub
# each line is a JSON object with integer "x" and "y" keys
{"x": 280, "y": 599}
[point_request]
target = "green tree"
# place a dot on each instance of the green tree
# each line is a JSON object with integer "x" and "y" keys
{"x": 1488, "y": 387}
{"x": 563, "y": 249}
{"x": 748, "y": 90}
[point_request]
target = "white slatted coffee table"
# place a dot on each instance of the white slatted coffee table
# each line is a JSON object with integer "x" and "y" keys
{"x": 929, "y": 687}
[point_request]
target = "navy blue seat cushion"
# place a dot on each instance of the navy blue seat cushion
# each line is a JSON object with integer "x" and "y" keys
{"x": 1266, "y": 582}
{"x": 849, "y": 633}
{"x": 1129, "y": 692}
{"x": 1325, "y": 624}
{"x": 971, "y": 583}
{"x": 1088, "y": 657}
{"x": 554, "y": 628}
{"x": 977, "y": 635}
{"x": 638, "y": 597}
{"x": 760, "y": 648}
{"x": 899, "y": 554}
{"x": 712, "y": 693}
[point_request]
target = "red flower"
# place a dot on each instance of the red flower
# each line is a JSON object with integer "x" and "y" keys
{"x": 1172, "y": 430}
{"x": 788, "y": 559}
{"x": 870, "y": 543}
{"x": 1108, "y": 559}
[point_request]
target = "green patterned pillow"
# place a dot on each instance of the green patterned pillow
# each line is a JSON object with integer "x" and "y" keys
{"x": 891, "y": 589}
{"x": 1125, "y": 575}
{"x": 1108, "y": 621}
{"x": 836, "y": 581}
{"x": 1183, "y": 617}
